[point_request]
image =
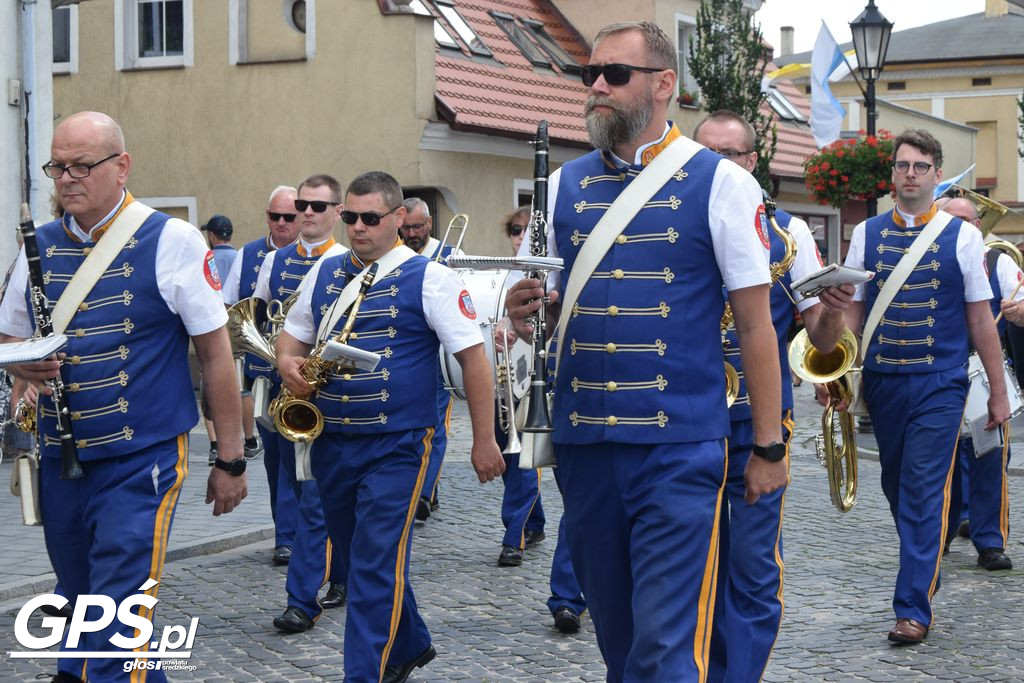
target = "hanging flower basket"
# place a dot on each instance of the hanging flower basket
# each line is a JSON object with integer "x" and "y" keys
{"x": 858, "y": 168}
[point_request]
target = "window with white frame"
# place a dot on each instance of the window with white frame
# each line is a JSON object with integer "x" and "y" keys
{"x": 65, "y": 39}
{"x": 686, "y": 28}
{"x": 268, "y": 31}
{"x": 153, "y": 33}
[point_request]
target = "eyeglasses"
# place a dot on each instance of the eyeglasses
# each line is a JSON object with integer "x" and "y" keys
{"x": 732, "y": 153}
{"x": 614, "y": 74}
{"x": 76, "y": 171}
{"x": 318, "y": 205}
{"x": 414, "y": 227}
{"x": 369, "y": 218}
{"x": 920, "y": 167}
{"x": 275, "y": 217}
{"x": 515, "y": 230}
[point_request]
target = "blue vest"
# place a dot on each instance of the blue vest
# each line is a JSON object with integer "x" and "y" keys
{"x": 401, "y": 394}
{"x": 253, "y": 254}
{"x": 642, "y": 359}
{"x": 782, "y": 319}
{"x": 224, "y": 255}
{"x": 126, "y": 373}
{"x": 444, "y": 249}
{"x": 924, "y": 329}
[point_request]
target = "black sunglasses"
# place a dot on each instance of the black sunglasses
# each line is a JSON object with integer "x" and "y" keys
{"x": 369, "y": 218}
{"x": 614, "y": 74}
{"x": 515, "y": 230}
{"x": 318, "y": 205}
{"x": 288, "y": 217}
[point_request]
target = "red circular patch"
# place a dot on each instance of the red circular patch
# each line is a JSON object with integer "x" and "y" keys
{"x": 466, "y": 305}
{"x": 761, "y": 226}
{"x": 210, "y": 271}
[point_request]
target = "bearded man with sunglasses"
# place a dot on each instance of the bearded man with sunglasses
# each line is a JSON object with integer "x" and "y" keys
{"x": 915, "y": 376}
{"x": 640, "y": 418}
{"x": 373, "y": 454}
{"x": 282, "y": 230}
{"x": 318, "y": 209}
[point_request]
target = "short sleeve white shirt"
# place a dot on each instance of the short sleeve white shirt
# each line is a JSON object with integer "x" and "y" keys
{"x": 807, "y": 259}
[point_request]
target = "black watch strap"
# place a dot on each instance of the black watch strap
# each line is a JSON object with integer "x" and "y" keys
{"x": 773, "y": 452}
{"x": 235, "y": 468}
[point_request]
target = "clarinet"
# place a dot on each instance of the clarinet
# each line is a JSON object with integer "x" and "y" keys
{"x": 70, "y": 465}
{"x": 538, "y": 418}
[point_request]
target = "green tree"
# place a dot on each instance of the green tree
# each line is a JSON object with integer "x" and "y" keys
{"x": 728, "y": 59}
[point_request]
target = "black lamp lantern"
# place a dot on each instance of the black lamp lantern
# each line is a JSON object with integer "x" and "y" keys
{"x": 871, "y": 31}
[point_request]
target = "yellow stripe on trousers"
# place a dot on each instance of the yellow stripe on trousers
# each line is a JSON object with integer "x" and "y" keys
{"x": 947, "y": 499}
{"x": 403, "y": 543}
{"x": 709, "y": 585}
{"x": 161, "y": 532}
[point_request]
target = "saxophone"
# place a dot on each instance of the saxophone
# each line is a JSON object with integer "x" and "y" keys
{"x": 295, "y": 417}
{"x": 776, "y": 271}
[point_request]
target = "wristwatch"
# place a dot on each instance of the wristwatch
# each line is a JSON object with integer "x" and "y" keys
{"x": 773, "y": 452}
{"x": 235, "y": 468}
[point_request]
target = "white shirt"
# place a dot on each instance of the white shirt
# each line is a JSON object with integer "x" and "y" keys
{"x": 263, "y": 278}
{"x": 1008, "y": 275}
{"x": 442, "y": 292}
{"x": 181, "y": 254}
{"x": 807, "y": 260}
{"x": 969, "y": 255}
{"x": 735, "y": 195}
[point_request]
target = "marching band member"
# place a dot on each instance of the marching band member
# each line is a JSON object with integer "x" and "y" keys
{"x": 282, "y": 230}
{"x": 126, "y": 381}
{"x": 640, "y": 417}
{"x": 749, "y": 603}
{"x": 318, "y": 206}
{"x": 915, "y": 381}
{"x": 372, "y": 457}
{"x": 981, "y": 477}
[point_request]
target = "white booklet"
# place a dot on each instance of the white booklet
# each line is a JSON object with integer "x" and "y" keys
{"x": 351, "y": 356}
{"x": 31, "y": 350}
{"x": 831, "y": 275}
{"x": 985, "y": 440}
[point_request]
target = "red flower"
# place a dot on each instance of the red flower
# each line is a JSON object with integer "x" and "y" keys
{"x": 832, "y": 183}
{"x": 846, "y": 178}
{"x": 833, "y": 172}
{"x": 840, "y": 153}
{"x": 882, "y": 184}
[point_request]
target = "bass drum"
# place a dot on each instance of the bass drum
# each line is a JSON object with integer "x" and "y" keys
{"x": 487, "y": 289}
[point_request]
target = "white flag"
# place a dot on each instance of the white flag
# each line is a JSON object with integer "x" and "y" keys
{"x": 826, "y": 112}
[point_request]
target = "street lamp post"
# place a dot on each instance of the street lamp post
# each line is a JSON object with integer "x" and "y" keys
{"x": 871, "y": 33}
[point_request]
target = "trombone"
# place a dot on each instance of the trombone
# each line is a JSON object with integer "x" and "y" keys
{"x": 460, "y": 222}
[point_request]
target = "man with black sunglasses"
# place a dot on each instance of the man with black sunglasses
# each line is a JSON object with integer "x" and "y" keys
{"x": 318, "y": 208}
{"x": 373, "y": 454}
{"x": 640, "y": 418}
{"x": 915, "y": 376}
{"x": 282, "y": 230}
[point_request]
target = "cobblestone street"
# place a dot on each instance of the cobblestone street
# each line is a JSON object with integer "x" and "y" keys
{"x": 492, "y": 624}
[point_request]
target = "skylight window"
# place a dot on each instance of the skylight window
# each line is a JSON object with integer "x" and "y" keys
{"x": 441, "y": 35}
{"x": 554, "y": 50}
{"x": 465, "y": 31}
{"x": 782, "y": 106}
{"x": 507, "y": 23}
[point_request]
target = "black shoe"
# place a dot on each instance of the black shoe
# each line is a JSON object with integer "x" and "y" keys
{"x": 400, "y": 672}
{"x": 51, "y": 611}
{"x": 293, "y": 620}
{"x": 964, "y": 530}
{"x": 566, "y": 621}
{"x": 510, "y": 556}
{"x": 335, "y": 596}
{"x": 282, "y": 554}
{"x": 64, "y": 677}
{"x": 423, "y": 509}
{"x": 994, "y": 559}
{"x": 533, "y": 536}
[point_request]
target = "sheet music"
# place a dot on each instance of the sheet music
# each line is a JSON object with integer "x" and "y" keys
{"x": 830, "y": 276}
{"x": 30, "y": 350}
{"x": 350, "y": 355}
{"x": 985, "y": 440}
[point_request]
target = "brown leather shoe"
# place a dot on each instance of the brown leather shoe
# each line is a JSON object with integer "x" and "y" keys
{"x": 908, "y": 632}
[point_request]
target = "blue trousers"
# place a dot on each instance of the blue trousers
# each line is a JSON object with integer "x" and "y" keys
{"x": 106, "y": 534}
{"x": 565, "y": 589}
{"x": 370, "y": 486}
{"x": 521, "y": 508}
{"x": 440, "y": 444}
{"x": 312, "y": 563}
{"x": 748, "y": 609}
{"x": 917, "y": 424}
{"x": 283, "y": 506}
{"x": 990, "y": 503}
{"x": 642, "y": 525}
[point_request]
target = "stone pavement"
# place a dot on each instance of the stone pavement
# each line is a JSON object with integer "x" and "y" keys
{"x": 491, "y": 623}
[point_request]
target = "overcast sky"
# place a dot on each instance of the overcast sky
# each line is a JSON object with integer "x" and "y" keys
{"x": 806, "y": 15}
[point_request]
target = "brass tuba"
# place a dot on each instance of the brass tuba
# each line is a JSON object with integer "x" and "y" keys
{"x": 833, "y": 370}
{"x": 776, "y": 270}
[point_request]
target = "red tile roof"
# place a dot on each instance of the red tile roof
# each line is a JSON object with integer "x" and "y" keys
{"x": 795, "y": 141}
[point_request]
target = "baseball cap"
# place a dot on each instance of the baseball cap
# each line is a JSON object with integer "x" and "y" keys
{"x": 219, "y": 225}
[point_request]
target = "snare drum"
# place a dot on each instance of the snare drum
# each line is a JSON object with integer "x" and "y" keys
{"x": 978, "y": 393}
{"x": 488, "y": 288}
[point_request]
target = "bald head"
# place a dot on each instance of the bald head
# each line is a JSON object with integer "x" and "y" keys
{"x": 95, "y": 126}
{"x": 962, "y": 208}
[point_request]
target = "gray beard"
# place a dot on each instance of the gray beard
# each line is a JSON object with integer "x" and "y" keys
{"x": 623, "y": 124}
